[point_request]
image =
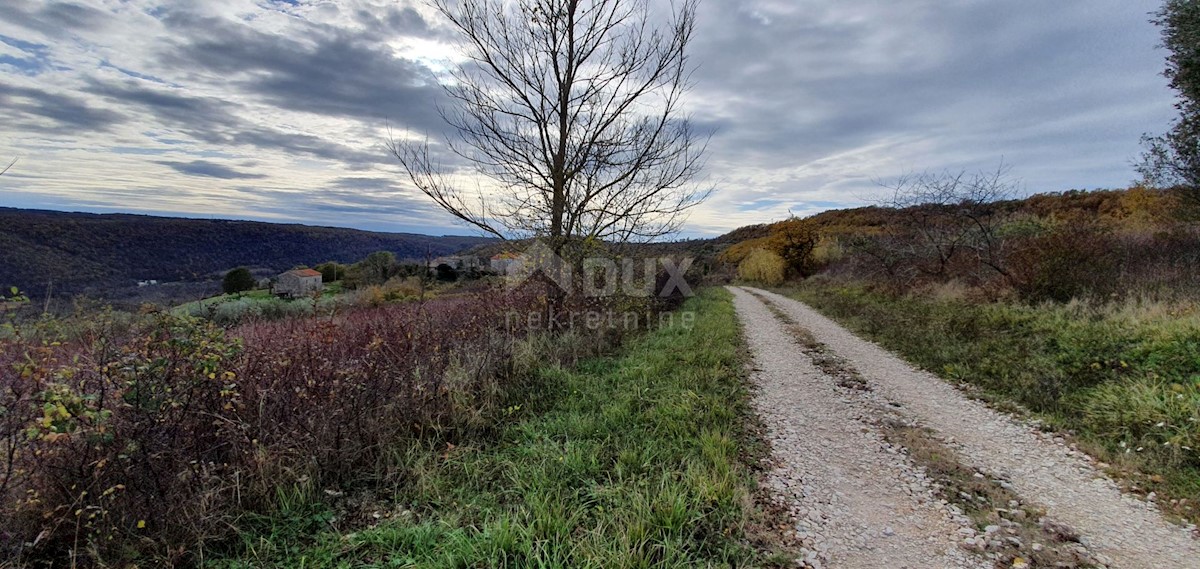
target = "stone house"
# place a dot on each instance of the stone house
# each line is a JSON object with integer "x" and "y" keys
{"x": 297, "y": 283}
{"x": 504, "y": 263}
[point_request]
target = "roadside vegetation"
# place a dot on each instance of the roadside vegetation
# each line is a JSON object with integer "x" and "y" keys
{"x": 637, "y": 459}
{"x": 156, "y": 437}
{"x": 436, "y": 433}
{"x": 1081, "y": 308}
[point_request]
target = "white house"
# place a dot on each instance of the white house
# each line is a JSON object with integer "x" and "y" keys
{"x": 298, "y": 282}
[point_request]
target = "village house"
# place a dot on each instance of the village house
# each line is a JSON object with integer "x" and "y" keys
{"x": 297, "y": 283}
{"x": 504, "y": 263}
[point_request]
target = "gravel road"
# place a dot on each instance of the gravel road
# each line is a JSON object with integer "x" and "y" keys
{"x": 858, "y": 502}
{"x": 854, "y": 500}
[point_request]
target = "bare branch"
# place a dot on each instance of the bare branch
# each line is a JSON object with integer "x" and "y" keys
{"x": 947, "y": 215}
{"x": 573, "y": 109}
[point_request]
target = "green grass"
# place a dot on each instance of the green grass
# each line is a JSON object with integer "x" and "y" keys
{"x": 214, "y": 300}
{"x": 1124, "y": 378}
{"x": 332, "y": 289}
{"x": 634, "y": 460}
{"x": 328, "y": 290}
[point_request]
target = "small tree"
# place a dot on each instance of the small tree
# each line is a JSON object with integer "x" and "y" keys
{"x": 446, "y": 273}
{"x": 947, "y": 217}
{"x": 331, "y": 271}
{"x": 238, "y": 280}
{"x": 794, "y": 240}
{"x": 376, "y": 268}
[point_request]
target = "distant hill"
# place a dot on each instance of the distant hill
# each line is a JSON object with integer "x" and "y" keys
{"x": 101, "y": 253}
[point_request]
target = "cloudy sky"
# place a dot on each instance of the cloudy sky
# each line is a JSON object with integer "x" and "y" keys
{"x": 277, "y": 110}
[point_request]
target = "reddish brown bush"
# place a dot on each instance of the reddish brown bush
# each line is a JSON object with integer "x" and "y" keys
{"x": 152, "y": 441}
{"x": 1073, "y": 260}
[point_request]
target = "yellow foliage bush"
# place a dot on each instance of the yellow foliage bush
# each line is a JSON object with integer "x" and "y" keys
{"x": 736, "y": 253}
{"x": 828, "y": 250}
{"x": 793, "y": 240}
{"x": 762, "y": 266}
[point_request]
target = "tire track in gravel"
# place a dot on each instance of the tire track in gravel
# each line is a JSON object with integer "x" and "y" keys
{"x": 855, "y": 501}
{"x": 1125, "y": 531}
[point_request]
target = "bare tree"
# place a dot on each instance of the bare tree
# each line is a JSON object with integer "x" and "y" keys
{"x": 948, "y": 215}
{"x": 573, "y": 108}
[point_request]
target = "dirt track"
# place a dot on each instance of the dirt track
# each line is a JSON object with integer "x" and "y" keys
{"x": 858, "y": 501}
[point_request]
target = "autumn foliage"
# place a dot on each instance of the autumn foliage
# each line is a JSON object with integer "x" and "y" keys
{"x": 792, "y": 241}
{"x": 762, "y": 266}
{"x": 1044, "y": 247}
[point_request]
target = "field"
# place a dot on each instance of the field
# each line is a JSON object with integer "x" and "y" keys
{"x": 211, "y": 302}
{"x": 404, "y": 421}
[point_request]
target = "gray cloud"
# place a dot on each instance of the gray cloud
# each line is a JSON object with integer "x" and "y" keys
{"x": 321, "y": 70}
{"x": 64, "y": 113}
{"x": 367, "y": 183}
{"x": 53, "y": 17}
{"x": 214, "y": 121}
{"x": 210, "y": 169}
{"x": 361, "y": 202}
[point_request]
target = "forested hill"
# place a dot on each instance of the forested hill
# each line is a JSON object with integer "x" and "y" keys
{"x": 83, "y": 252}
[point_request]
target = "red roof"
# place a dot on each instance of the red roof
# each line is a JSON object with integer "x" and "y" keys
{"x": 305, "y": 272}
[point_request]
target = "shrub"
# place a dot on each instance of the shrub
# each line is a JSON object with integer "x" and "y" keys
{"x": 446, "y": 273}
{"x": 164, "y": 436}
{"x": 401, "y": 289}
{"x": 120, "y": 441}
{"x": 375, "y": 269}
{"x": 1073, "y": 260}
{"x": 762, "y": 266}
{"x": 234, "y": 311}
{"x": 795, "y": 241}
